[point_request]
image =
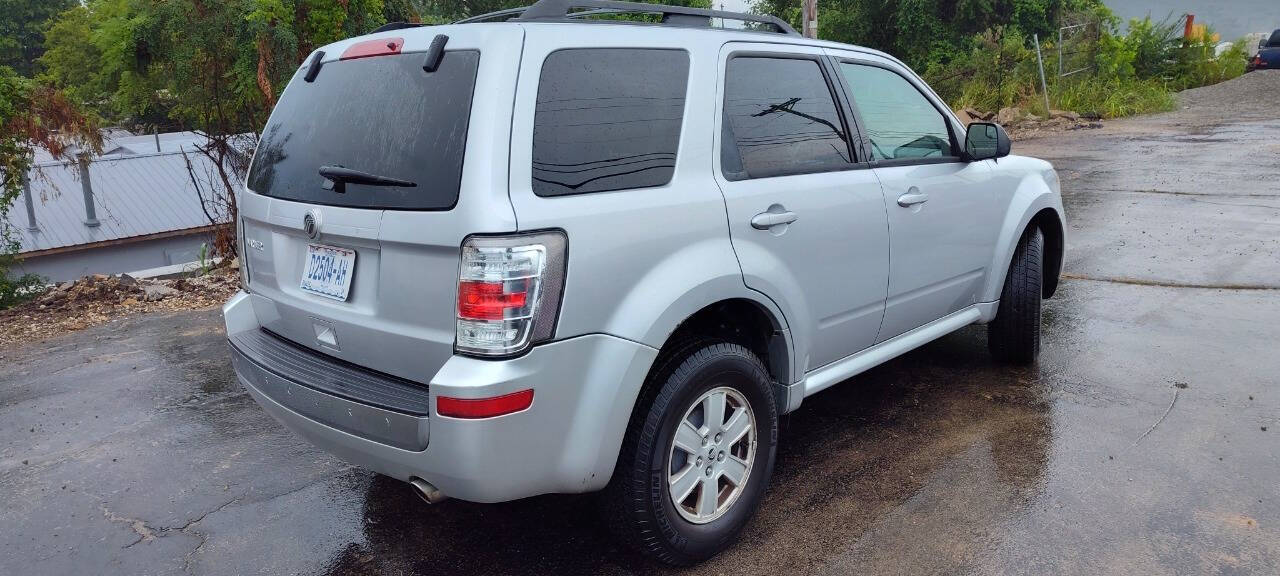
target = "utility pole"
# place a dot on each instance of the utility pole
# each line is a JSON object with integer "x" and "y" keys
{"x": 809, "y": 11}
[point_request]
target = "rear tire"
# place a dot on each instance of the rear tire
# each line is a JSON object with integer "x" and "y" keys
{"x": 1014, "y": 335}
{"x": 674, "y": 444}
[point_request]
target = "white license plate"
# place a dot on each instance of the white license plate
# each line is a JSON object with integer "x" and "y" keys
{"x": 328, "y": 271}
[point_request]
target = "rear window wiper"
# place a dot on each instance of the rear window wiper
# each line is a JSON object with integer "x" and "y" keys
{"x": 338, "y": 177}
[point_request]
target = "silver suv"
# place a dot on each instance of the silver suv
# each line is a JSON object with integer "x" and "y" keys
{"x": 552, "y": 250}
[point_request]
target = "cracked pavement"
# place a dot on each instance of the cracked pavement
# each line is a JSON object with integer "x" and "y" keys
{"x": 1147, "y": 440}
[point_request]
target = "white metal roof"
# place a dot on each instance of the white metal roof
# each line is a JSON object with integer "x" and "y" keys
{"x": 134, "y": 195}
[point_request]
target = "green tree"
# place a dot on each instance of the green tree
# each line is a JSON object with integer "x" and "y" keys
{"x": 22, "y": 25}
{"x": 31, "y": 115}
{"x": 925, "y": 32}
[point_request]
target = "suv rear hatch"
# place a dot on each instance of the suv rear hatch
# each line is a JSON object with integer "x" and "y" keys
{"x": 362, "y": 269}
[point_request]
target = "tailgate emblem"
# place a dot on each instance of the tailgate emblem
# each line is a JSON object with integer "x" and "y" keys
{"x": 311, "y": 224}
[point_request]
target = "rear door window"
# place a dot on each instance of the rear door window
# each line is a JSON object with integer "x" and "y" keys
{"x": 383, "y": 116}
{"x": 608, "y": 119}
{"x": 780, "y": 118}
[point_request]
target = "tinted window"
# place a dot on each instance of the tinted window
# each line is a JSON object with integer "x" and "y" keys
{"x": 380, "y": 115}
{"x": 607, "y": 119}
{"x": 779, "y": 119}
{"x": 900, "y": 121}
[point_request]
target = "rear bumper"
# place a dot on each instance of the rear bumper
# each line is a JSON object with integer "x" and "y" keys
{"x": 567, "y": 441}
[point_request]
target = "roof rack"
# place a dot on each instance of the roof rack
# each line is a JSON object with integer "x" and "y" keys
{"x": 389, "y": 26}
{"x": 563, "y": 11}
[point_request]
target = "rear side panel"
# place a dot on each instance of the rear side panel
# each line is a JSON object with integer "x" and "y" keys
{"x": 400, "y": 312}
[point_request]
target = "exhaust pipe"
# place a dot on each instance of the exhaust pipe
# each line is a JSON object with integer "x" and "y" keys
{"x": 426, "y": 491}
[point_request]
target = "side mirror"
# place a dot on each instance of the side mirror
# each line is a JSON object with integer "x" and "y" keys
{"x": 985, "y": 140}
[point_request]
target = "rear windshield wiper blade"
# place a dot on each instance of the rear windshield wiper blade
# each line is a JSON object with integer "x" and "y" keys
{"x": 339, "y": 177}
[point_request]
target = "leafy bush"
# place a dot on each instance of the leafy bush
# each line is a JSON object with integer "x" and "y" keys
{"x": 998, "y": 70}
{"x": 31, "y": 113}
{"x": 14, "y": 290}
{"x": 1132, "y": 73}
{"x": 1153, "y": 46}
{"x": 1197, "y": 65}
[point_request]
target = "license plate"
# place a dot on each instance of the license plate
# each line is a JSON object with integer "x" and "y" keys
{"x": 328, "y": 271}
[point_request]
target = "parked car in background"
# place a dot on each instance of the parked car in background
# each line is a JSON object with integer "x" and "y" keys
{"x": 536, "y": 252}
{"x": 1268, "y": 56}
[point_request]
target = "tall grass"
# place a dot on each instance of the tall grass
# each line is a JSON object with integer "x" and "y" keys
{"x": 1113, "y": 98}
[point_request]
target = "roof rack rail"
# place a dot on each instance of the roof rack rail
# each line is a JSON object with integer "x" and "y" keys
{"x": 389, "y": 26}
{"x": 563, "y": 11}
{"x": 508, "y": 13}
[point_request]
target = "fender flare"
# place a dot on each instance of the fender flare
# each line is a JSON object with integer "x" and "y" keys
{"x": 711, "y": 289}
{"x": 1033, "y": 202}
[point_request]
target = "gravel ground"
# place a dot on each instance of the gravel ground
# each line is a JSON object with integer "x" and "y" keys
{"x": 1255, "y": 94}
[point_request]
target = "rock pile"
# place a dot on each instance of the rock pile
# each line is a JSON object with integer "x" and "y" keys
{"x": 1019, "y": 122}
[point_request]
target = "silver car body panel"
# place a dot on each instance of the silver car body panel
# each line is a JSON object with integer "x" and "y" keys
{"x": 828, "y": 269}
{"x": 640, "y": 263}
{"x": 567, "y": 441}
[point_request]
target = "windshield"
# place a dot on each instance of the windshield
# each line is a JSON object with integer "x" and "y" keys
{"x": 381, "y": 116}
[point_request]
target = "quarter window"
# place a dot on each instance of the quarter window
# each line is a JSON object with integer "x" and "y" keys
{"x": 900, "y": 121}
{"x": 608, "y": 119}
{"x": 779, "y": 118}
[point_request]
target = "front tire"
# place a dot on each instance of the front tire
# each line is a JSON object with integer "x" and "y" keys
{"x": 1014, "y": 335}
{"x": 698, "y": 453}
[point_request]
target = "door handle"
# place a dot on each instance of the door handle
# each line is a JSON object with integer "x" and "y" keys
{"x": 912, "y": 198}
{"x": 767, "y": 220}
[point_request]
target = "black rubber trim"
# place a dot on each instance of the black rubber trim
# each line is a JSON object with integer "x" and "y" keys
{"x": 324, "y": 373}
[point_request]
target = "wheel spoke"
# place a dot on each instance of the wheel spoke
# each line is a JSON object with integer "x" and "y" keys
{"x": 688, "y": 438}
{"x": 709, "y": 496}
{"x": 737, "y": 427}
{"x": 734, "y": 470}
{"x": 684, "y": 482}
{"x": 713, "y": 409}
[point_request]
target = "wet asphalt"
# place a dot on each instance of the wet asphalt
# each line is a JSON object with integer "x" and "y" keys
{"x": 1146, "y": 440}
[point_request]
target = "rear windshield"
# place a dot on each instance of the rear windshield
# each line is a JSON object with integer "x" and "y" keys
{"x": 383, "y": 116}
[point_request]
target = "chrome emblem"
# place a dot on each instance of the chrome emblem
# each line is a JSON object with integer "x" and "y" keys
{"x": 311, "y": 224}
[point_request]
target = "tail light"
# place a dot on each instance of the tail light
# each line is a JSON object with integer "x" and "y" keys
{"x": 379, "y": 47}
{"x": 509, "y": 292}
{"x": 243, "y": 246}
{"x": 472, "y": 408}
